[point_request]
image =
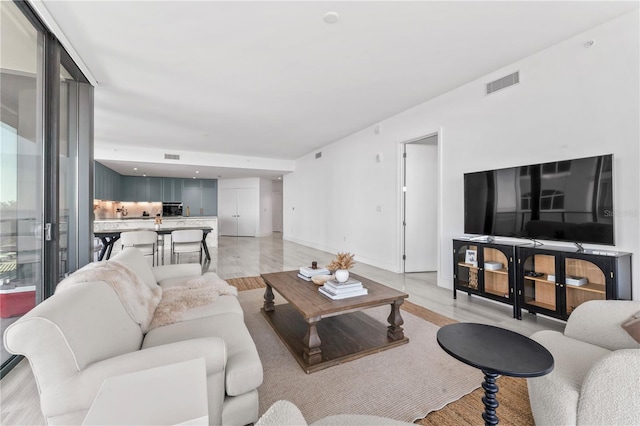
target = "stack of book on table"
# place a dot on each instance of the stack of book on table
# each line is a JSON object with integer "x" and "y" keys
{"x": 336, "y": 291}
{"x": 306, "y": 272}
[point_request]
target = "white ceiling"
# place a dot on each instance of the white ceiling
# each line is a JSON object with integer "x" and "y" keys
{"x": 271, "y": 79}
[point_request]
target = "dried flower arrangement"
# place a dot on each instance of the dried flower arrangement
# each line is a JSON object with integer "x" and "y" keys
{"x": 342, "y": 261}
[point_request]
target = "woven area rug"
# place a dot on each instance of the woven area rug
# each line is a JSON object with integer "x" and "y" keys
{"x": 514, "y": 406}
{"x": 403, "y": 383}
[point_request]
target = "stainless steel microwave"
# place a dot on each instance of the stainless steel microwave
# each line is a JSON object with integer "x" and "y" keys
{"x": 171, "y": 209}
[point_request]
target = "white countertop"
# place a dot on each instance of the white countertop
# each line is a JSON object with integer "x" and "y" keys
{"x": 164, "y": 218}
{"x": 170, "y": 222}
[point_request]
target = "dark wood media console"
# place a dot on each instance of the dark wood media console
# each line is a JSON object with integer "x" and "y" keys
{"x": 550, "y": 280}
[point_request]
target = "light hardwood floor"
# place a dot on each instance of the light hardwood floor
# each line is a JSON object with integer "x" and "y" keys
{"x": 242, "y": 257}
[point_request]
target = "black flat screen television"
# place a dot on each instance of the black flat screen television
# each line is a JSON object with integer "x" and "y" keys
{"x": 569, "y": 200}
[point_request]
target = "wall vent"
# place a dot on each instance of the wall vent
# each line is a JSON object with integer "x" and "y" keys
{"x": 504, "y": 82}
{"x": 318, "y": 155}
{"x": 171, "y": 157}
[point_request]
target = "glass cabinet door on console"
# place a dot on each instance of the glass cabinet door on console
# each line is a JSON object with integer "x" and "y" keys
{"x": 584, "y": 281}
{"x": 484, "y": 269}
{"x": 599, "y": 277}
{"x": 465, "y": 274}
{"x": 496, "y": 272}
{"x": 539, "y": 291}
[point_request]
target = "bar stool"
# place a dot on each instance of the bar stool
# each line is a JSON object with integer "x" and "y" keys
{"x": 186, "y": 241}
{"x": 145, "y": 241}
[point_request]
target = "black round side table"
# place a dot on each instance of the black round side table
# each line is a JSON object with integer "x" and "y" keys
{"x": 495, "y": 351}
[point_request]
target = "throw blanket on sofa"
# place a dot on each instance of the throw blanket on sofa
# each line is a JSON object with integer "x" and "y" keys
{"x": 139, "y": 300}
{"x": 192, "y": 294}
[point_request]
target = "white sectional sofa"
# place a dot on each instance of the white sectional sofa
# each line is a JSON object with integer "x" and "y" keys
{"x": 83, "y": 334}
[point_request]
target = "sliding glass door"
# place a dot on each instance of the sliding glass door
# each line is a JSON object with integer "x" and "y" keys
{"x": 67, "y": 153}
{"x": 21, "y": 175}
{"x": 46, "y": 157}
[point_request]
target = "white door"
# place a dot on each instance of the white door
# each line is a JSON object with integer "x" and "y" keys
{"x": 238, "y": 212}
{"x": 247, "y": 212}
{"x": 421, "y": 220}
{"x": 227, "y": 211}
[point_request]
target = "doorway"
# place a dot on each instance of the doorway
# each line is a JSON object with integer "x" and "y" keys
{"x": 420, "y": 204}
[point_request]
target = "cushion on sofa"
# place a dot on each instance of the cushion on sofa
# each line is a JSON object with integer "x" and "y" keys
{"x": 181, "y": 270}
{"x": 171, "y": 282}
{"x": 134, "y": 259}
{"x": 139, "y": 300}
{"x": 224, "y": 305}
{"x": 244, "y": 368}
{"x": 193, "y": 294}
{"x": 632, "y": 326}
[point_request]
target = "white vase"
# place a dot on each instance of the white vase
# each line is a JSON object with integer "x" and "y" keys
{"x": 342, "y": 275}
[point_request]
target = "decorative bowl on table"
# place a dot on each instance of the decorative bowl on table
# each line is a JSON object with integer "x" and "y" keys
{"x": 321, "y": 279}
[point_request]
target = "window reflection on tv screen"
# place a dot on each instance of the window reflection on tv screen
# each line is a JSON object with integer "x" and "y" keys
{"x": 568, "y": 200}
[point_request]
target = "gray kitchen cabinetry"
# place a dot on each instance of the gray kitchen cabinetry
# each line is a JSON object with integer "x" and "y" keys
{"x": 172, "y": 189}
{"x": 209, "y": 197}
{"x": 106, "y": 183}
{"x": 201, "y": 196}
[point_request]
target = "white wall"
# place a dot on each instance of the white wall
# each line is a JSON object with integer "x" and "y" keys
{"x": 572, "y": 102}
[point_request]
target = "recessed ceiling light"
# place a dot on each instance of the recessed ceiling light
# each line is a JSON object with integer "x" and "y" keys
{"x": 194, "y": 177}
{"x": 331, "y": 17}
{"x": 279, "y": 177}
{"x": 197, "y": 172}
{"x": 135, "y": 168}
{"x": 144, "y": 175}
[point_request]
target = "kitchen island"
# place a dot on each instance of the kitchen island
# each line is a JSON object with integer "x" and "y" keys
{"x": 138, "y": 223}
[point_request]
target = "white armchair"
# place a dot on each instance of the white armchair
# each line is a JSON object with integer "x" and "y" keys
{"x": 596, "y": 378}
{"x": 285, "y": 413}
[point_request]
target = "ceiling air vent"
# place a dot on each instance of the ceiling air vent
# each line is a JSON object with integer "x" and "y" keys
{"x": 503, "y": 82}
{"x": 318, "y": 155}
{"x": 171, "y": 157}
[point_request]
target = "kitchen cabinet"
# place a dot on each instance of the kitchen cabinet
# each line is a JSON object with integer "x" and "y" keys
{"x": 106, "y": 183}
{"x": 209, "y": 197}
{"x": 126, "y": 191}
{"x": 141, "y": 188}
{"x": 191, "y": 197}
{"x": 155, "y": 188}
{"x": 201, "y": 196}
{"x": 172, "y": 190}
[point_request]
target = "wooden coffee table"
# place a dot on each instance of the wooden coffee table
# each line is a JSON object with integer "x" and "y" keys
{"x": 344, "y": 334}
